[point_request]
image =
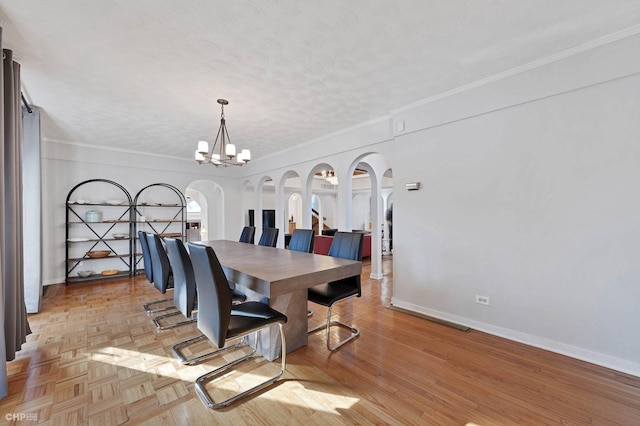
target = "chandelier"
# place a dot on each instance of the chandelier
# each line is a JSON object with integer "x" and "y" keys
{"x": 225, "y": 154}
{"x": 330, "y": 176}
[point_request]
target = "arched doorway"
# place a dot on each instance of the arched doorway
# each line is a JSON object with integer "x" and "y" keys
{"x": 322, "y": 188}
{"x": 367, "y": 173}
{"x": 210, "y": 196}
{"x": 289, "y": 207}
{"x": 197, "y": 224}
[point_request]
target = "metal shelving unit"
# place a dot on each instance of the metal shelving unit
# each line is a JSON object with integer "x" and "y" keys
{"x": 173, "y": 221}
{"x": 98, "y": 234}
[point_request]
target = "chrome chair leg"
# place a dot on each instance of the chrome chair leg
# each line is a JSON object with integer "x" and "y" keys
{"x": 201, "y": 381}
{"x": 149, "y": 310}
{"x": 200, "y": 358}
{"x": 354, "y": 331}
{"x": 156, "y": 321}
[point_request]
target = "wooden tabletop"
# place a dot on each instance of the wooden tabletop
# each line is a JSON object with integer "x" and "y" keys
{"x": 274, "y": 272}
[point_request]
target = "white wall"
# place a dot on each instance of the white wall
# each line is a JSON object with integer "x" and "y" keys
{"x": 247, "y": 200}
{"x": 529, "y": 200}
{"x": 329, "y": 206}
{"x": 360, "y": 210}
{"x": 294, "y": 207}
{"x": 268, "y": 198}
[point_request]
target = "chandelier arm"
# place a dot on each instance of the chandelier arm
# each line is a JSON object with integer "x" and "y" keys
{"x": 227, "y": 141}
{"x": 215, "y": 143}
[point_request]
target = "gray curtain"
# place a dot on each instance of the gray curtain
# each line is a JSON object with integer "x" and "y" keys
{"x": 13, "y": 313}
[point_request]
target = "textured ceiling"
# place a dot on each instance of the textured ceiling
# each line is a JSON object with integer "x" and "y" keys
{"x": 144, "y": 75}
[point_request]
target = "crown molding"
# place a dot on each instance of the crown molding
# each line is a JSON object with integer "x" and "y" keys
{"x": 610, "y": 38}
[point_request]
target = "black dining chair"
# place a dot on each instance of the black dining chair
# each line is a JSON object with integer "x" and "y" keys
{"x": 220, "y": 321}
{"x": 146, "y": 256}
{"x": 302, "y": 240}
{"x": 165, "y": 283}
{"x": 345, "y": 245}
{"x": 248, "y": 234}
{"x": 269, "y": 237}
{"x": 184, "y": 285}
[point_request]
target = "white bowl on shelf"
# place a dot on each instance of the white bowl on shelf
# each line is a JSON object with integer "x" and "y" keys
{"x": 120, "y": 236}
{"x": 85, "y": 274}
{"x": 77, "y": 239}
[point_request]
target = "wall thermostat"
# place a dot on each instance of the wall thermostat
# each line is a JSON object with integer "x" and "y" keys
{"x": 412, "y": 186}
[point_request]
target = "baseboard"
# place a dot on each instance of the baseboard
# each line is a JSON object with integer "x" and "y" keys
{"x": 430, "y": 318}
{"x": 603, "y": 360}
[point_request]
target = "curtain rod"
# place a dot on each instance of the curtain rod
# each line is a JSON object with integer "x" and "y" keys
{"x": 26, "y": 104}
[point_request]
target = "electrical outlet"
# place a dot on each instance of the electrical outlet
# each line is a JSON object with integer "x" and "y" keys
{"x": 483, "y": 300}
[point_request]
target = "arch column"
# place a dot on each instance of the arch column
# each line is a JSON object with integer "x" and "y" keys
{"x": 320, "y": 214}
{"x": 376, "y": 232}
{"x": 344, "y": 200}
{"x": 257, "y": 213}
{"x": 386, "y": 234}
{"x": 280, "y": 208}
{"x": 306, "y": 183}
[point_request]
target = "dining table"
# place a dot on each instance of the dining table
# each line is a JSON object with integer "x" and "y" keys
{"x": 279, "y": 278}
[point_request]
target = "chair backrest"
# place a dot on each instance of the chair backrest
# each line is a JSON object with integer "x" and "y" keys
{"x": 269, "y": 237}
{"x": 248, "y": 233}
{"x": 159, "y": 263}
{"x": 347, "y": 245}
{"x": 184, "y": 280}
{"x": 214, "y": 294}
{"x": 302, "y": 240}
{"x": 146, "y": 256}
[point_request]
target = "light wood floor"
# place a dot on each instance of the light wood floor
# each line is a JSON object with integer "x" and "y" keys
{"x": 95, "y": 358}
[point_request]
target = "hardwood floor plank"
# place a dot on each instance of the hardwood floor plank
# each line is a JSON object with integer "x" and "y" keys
{"x": 95, "y": 358}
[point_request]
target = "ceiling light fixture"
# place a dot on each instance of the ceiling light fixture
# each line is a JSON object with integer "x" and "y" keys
{"x": 226, "y": 153}
{"x": 330, "y": 176}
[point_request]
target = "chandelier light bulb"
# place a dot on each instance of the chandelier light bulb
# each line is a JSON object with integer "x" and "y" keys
{"x": 203, "y": 147}
{"x": 231, "y": 150}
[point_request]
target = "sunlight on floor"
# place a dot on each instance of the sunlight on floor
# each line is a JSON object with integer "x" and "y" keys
{"x": 136, "y": 360}
{"x": 310, "y": 399}
{"x": 234, "y": 381}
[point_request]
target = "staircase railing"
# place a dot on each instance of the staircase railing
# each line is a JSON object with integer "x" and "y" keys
{"x": 315, "y": 215}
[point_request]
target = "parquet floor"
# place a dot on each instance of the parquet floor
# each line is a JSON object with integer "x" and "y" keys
{"x": 95, "y": 358}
